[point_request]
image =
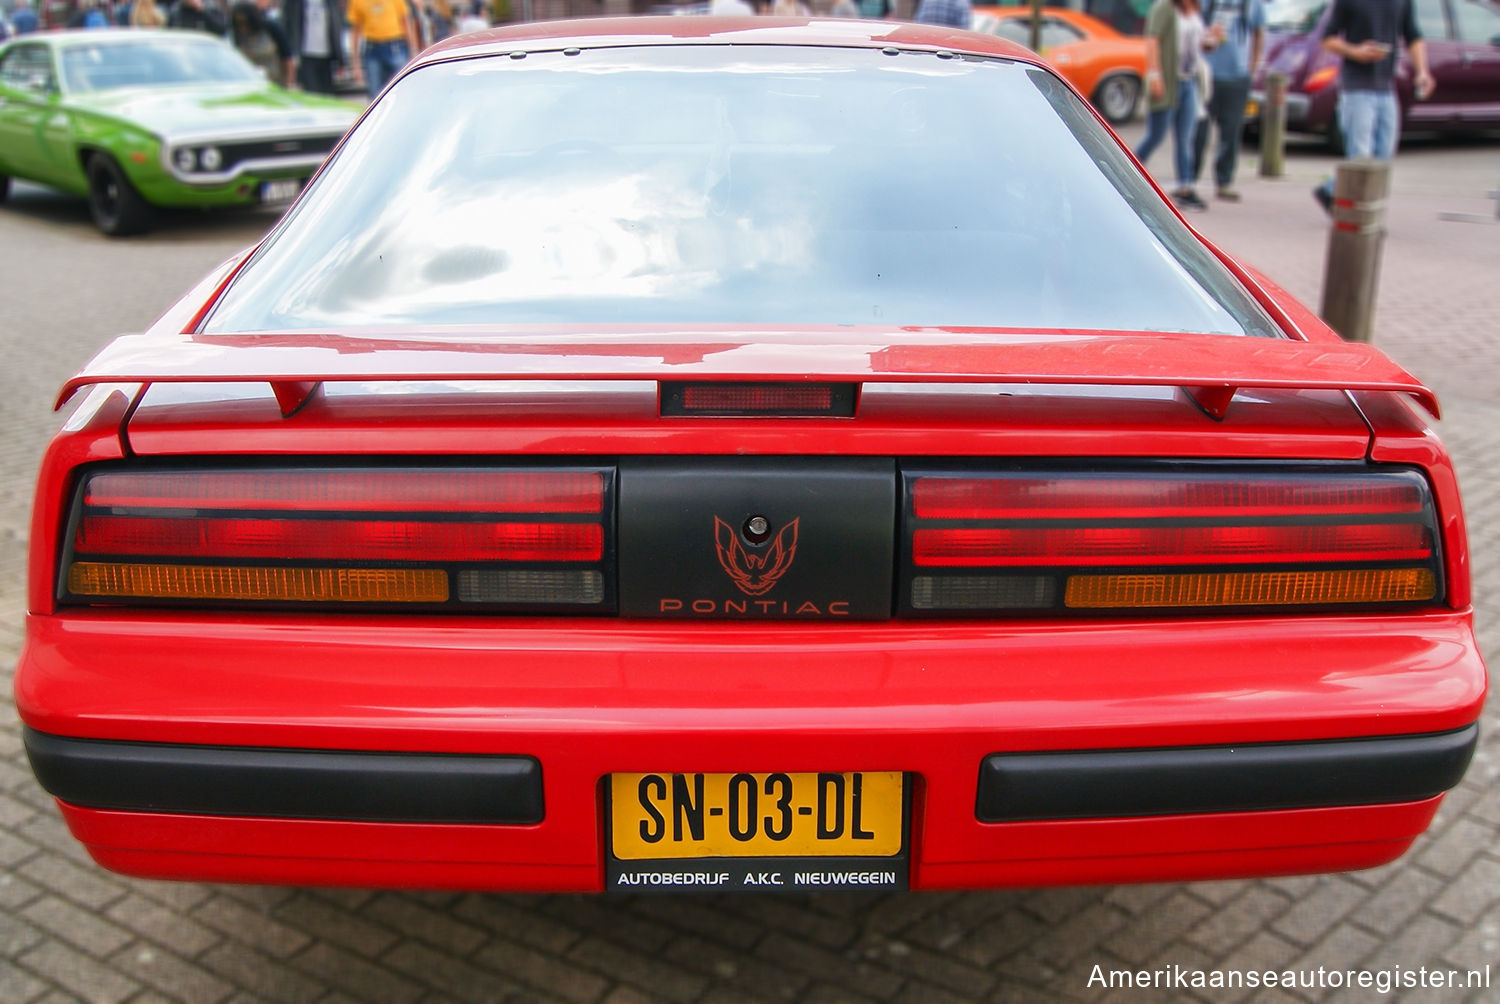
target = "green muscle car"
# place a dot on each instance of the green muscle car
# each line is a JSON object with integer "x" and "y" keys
{"x": 135, "y": 119}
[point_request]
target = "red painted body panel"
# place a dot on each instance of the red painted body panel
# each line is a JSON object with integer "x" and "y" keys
{"x": 1168, "y": 848}
{"x": 610, "y": 696}
{"x": 595, "y": 696}
{"x": 94, "y": 433}
{"x": 1401, "y": 439}
{"x": 900, "y": 355}
{"x": 589, "y": 696}
{"x": 987, "y": 421}
{"x": 432, "y": 683}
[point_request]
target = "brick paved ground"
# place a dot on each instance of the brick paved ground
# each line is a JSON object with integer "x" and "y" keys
{"x": 71, "y": 931}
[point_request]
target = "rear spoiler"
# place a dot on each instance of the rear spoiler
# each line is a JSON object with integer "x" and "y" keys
{"x": 1211, "y": 369}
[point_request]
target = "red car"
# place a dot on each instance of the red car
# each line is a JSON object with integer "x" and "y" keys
{"x": 687, "y": 454}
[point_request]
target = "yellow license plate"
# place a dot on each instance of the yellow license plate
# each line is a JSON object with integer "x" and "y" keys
{"x": 661, "y": 816}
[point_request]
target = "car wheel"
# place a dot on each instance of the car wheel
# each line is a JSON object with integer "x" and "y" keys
{"x": 1117, "y": 96}
{"x": 116, "y": 206}
{"x": 4, "y": 187}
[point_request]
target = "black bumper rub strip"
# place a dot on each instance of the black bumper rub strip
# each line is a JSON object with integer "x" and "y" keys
{"x": 289, "y": 784}
{"x": 1099, "y": 784}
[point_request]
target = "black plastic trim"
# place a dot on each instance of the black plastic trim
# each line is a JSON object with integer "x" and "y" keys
{"x": 1106, "y": 784}
{"x": 287, "y": 783}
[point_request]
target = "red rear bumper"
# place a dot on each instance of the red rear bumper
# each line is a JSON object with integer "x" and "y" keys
{"x": 587, "y": 698}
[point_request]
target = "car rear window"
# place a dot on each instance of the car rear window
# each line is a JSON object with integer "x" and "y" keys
{"x": 744, "y": 184}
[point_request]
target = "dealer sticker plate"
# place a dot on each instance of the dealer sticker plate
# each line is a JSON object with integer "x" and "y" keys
{"x": 280, "y": 190}
{"x": 727, "y": 832}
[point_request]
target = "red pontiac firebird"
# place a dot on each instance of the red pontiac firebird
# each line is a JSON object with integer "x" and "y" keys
{"x": 697, "y": 454}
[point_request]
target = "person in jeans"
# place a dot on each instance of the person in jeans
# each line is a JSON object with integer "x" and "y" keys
{"x": 1176, "y": 29}
{"x": 1363, "y": 34}
{"x": 389, "y": 36}
{"x": 1240, "y": 28}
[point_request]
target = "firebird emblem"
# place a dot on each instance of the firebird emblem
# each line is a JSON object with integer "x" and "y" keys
{"x": 755, "y": 575}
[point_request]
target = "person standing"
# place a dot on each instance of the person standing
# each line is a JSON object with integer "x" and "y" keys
{"x": 1363, "y": 34}
{"x": 1176, "y": 30}
{"x": 440, "y": 16}
{"x": 384, "y": 36}
{"x": 952, "y": 13}
{"x": 315, "y": 32}
{"x": 193, "y": 16}
{"x": 23, "y": 20}
{"x": 1238, "y": 30}
{"x": 146, "y": 14}
{"x": 89, "y": 15}
{"x": 261, "y": 41}
{"x": 474, "y": 20}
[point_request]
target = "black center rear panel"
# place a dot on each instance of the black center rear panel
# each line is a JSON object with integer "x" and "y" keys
{"x": 693, "y": 544}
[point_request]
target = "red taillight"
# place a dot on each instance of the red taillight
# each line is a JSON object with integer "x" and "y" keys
{"x": 711, "y": 397}
{"x": 329, "y": 539}
{"x": 1161, "y": 496}
{"x": 1321, "y": 78}
{"x": 1168, "y": 538}
{"x": 772, "y": 400}
{"x": 521, "y": 538}
{"x": 353, "y": 491}
{"x": 1155, "y": 545}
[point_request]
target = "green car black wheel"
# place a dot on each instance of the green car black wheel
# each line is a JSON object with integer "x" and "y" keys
{"x": 116, "y": 206}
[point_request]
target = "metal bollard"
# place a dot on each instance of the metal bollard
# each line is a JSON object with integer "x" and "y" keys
{"x": 1273, "y": 127}
{"x": 1351, "y": 275}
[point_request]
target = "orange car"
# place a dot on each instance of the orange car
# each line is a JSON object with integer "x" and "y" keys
{"x": 1096, "y": 59}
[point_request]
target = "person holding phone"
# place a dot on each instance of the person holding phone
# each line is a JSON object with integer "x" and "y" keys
{"x": 1236, "y": 37}
{"x": 1363, "y": 34}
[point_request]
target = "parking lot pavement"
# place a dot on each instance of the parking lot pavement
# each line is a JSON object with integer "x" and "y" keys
{"x": 71, "y": 931}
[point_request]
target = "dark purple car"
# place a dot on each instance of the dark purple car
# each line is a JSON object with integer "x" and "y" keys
{"x": 1463, "y": 53}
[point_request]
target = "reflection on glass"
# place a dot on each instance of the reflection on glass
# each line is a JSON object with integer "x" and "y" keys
{"x": 699, "y": 184}
{"x": 154, "y": 61}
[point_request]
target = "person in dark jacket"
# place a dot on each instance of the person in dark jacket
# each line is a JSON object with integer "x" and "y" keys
{"x": 262, "y": 42}
{"x": 193, "y": 16}
{"x": 315, "y": 31}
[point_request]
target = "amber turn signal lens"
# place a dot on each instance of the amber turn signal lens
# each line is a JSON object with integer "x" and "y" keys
{"x": 1225, "y": 589}
{"x": 209, "y": 582}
